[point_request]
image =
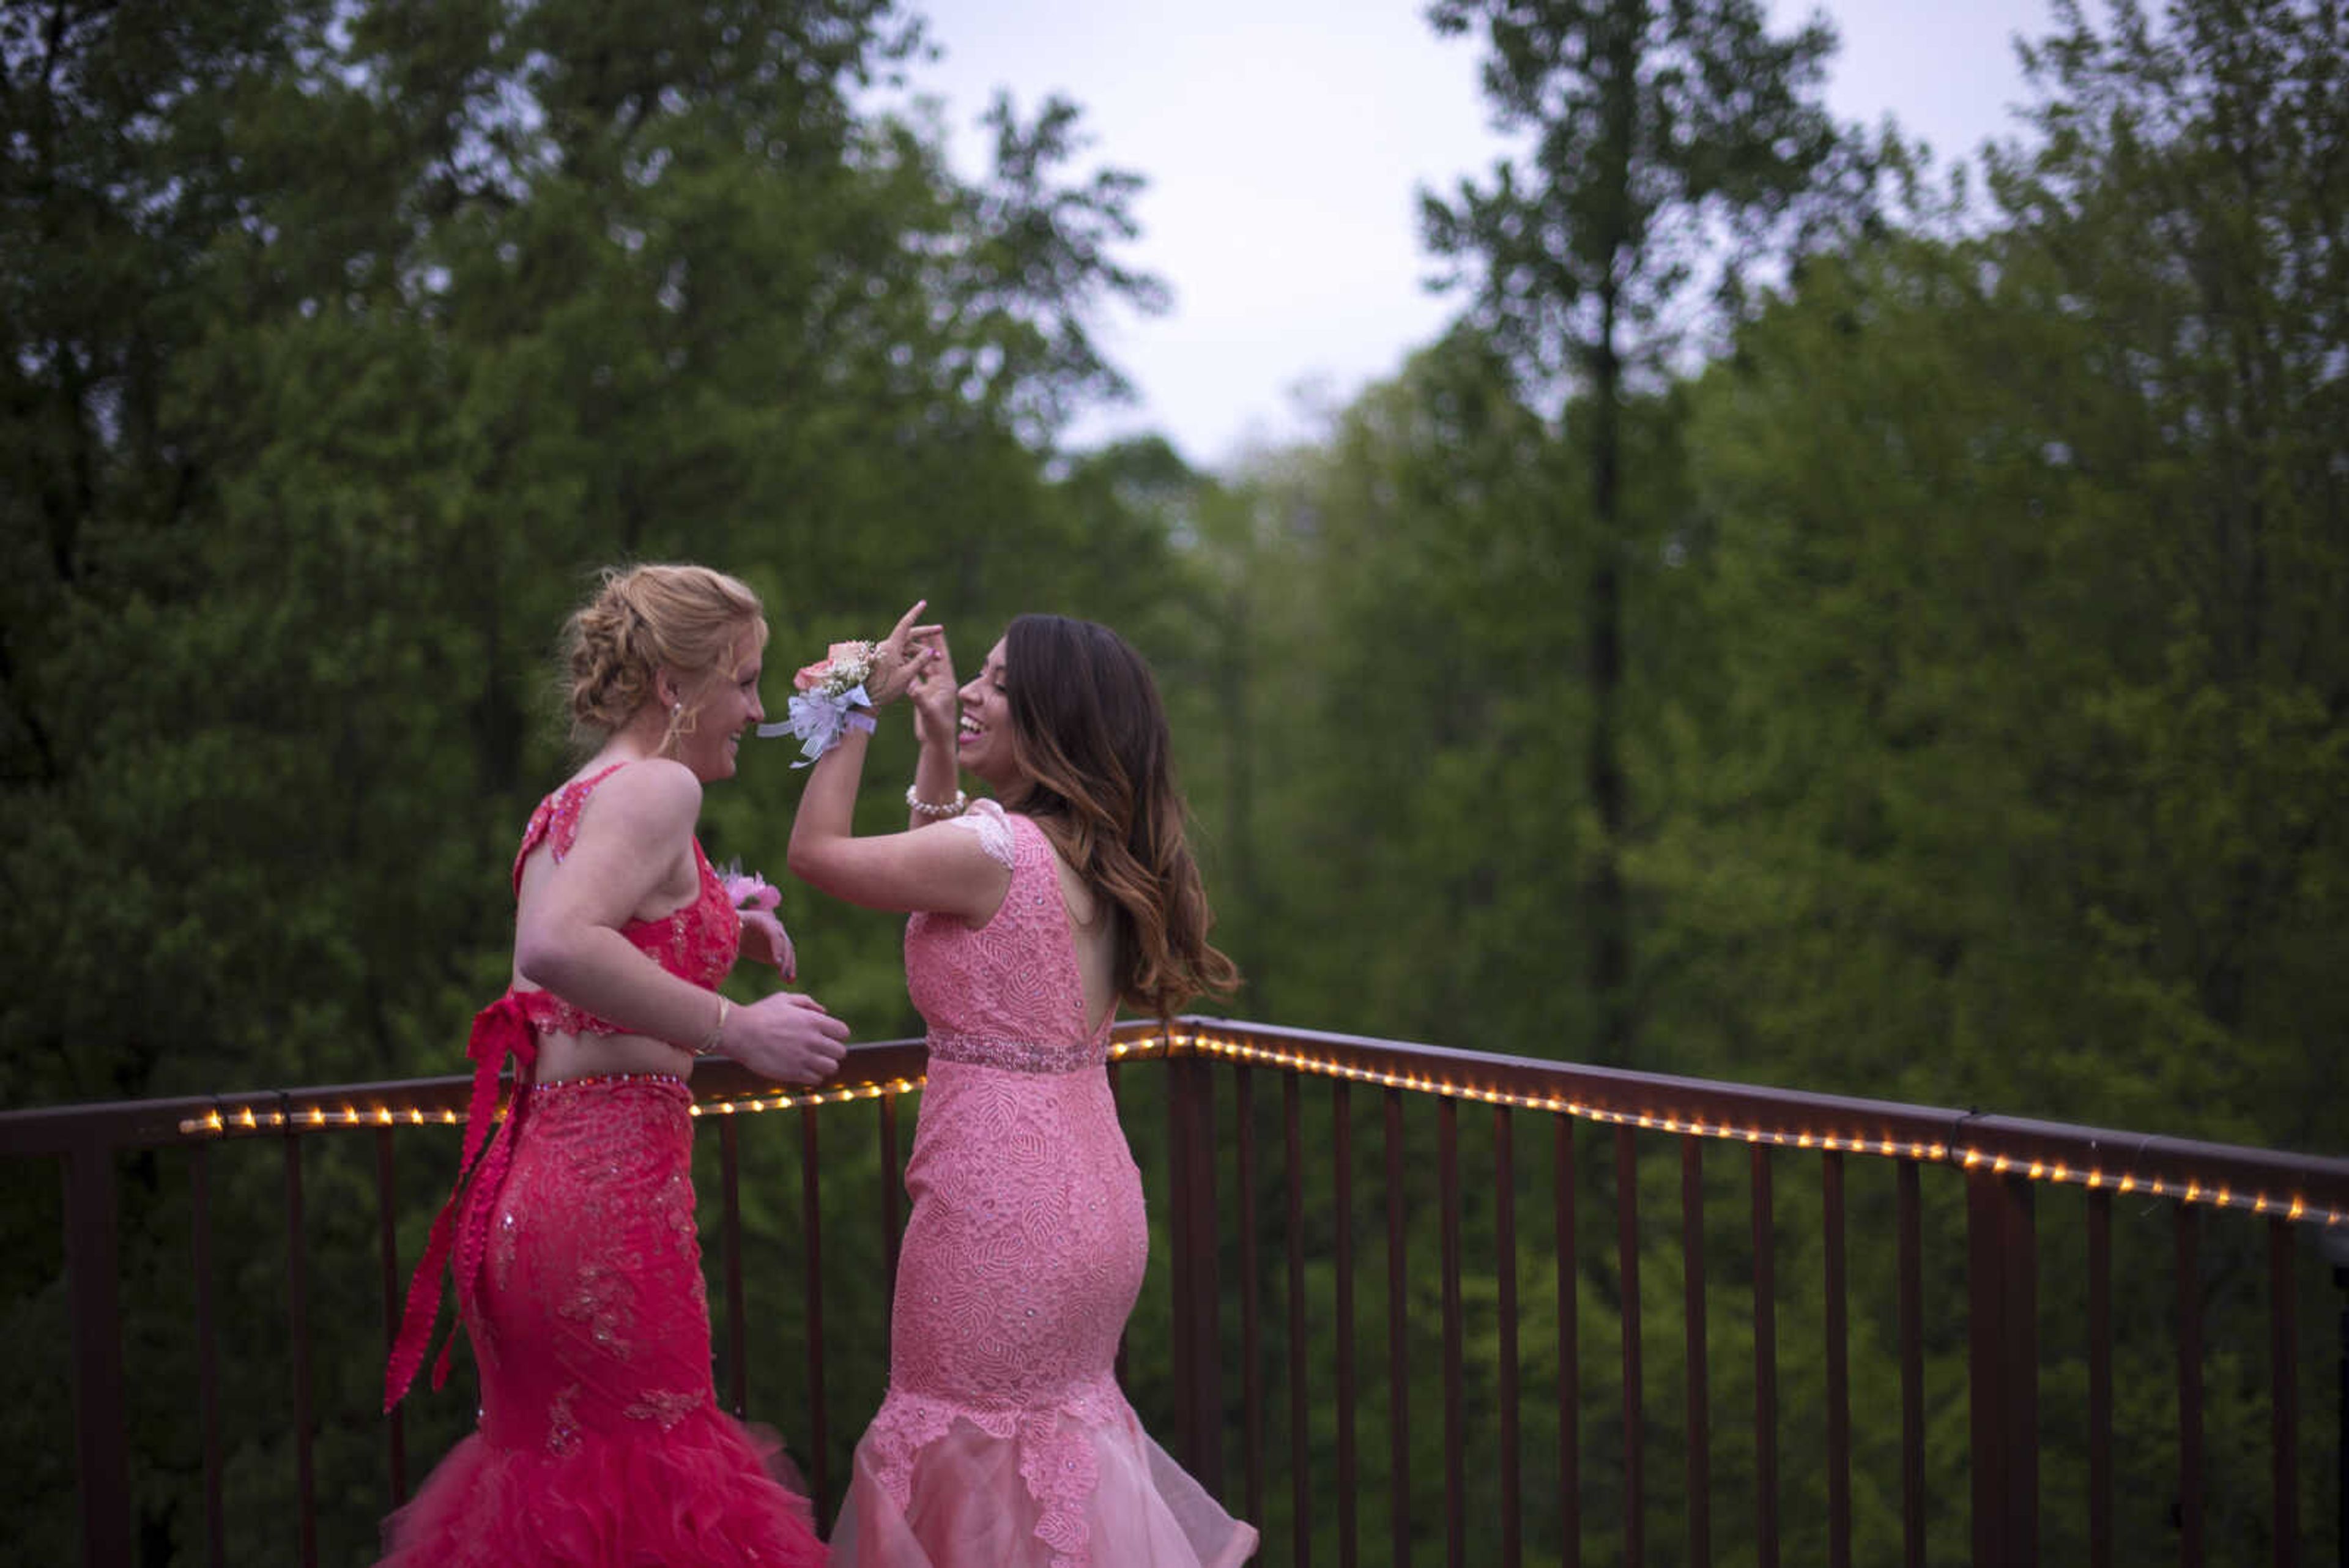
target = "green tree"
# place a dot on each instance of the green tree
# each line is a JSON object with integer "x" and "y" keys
{"x": 1656, "y": 128}
{"x": 344, "y": 342}
{"x": 417, "y": 317}
{"x": 2020, "y": 764}
{"x": 1415, "y": 863}
{"x": 2016, "y": 779}
{"x": 2187, "y": 207}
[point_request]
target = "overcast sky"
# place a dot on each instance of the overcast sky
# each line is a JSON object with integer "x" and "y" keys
{"x": 1286, "y": 141}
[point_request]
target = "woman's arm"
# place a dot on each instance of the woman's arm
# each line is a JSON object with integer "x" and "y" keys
{"x": 635, "y": 833}
{"x": 947, "y": 873}
{"x": 635, "y": 837}
{"x": 937, "y": 714}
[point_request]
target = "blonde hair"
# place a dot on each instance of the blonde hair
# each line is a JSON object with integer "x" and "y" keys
{"x": 642, "y": 620}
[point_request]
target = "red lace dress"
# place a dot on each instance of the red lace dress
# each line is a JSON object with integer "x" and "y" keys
{"x": 579, "y": 1283}
{"x": 1004, "y": 1441}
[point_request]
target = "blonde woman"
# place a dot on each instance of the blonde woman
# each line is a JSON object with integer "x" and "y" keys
{"x": 572, "y": 1234}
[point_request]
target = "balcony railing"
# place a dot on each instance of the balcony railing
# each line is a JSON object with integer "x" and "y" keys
{"x": 1405, "y": 1305}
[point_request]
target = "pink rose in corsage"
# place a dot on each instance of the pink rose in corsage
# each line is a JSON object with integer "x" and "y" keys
{"x": 747, "y": 889}
{"x": 845, "y": 664}
{"x": 831, "y": 699}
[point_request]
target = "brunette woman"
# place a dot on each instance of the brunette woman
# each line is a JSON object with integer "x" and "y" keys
{"x": 1005, "y": 1439}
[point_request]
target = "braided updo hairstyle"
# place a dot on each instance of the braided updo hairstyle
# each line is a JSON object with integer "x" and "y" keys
{"x": 643, "y": 620}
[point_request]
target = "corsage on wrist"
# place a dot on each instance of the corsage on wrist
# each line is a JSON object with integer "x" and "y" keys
{"x": 831, "y": 700}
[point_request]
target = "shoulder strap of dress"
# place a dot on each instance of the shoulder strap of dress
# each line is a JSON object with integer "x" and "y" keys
{"x": 558, "y": 815}
{"x": 992, "y": 827}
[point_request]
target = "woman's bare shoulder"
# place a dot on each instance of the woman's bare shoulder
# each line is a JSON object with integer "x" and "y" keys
{"x": 652, "y": 797}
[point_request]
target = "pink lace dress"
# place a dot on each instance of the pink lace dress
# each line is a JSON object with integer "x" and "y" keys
{"x": 579, "y": 1281}
{"x": 1004, "y": 1441}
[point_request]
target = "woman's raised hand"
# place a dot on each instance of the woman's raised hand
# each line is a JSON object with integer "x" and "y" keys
{"x": 787, "y": 1036}
{"x": 936, "y": 703}
{"x": 898, "y": 661}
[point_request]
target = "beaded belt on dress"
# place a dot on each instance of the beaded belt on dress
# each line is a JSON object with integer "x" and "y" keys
{"x": 1016, "y": 1056}
{"x": 609, "y": 1080}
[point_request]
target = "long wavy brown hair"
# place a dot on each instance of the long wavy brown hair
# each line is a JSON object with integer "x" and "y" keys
{"x": 1091, "y": 735}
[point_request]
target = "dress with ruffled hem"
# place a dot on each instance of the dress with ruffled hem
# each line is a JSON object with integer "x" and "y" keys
{"x": 1004, "y": 1440}
{"x": 708, "y": 1491}
{"x": 938, "y": 1488}
{"x": 601, "y": 1444}
{"x": 578, "y": 1275}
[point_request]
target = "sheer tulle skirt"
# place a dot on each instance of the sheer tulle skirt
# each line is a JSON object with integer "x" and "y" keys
{"x": 707, "y": 1492}
{"x": 974, "y": 1498}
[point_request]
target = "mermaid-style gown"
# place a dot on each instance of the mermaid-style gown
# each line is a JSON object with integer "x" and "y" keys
{"x": 601, "y": 1444}
{"x": 1004, "y": 1441}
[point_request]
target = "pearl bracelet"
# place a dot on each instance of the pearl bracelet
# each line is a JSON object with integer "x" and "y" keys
{"x": 936, "y": 810}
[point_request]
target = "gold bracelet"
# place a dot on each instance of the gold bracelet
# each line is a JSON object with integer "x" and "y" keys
{"x": 936, "y": 810}
{"x": 709, "y": 1041}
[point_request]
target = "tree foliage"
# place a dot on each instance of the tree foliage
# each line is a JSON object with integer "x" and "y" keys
{"x": 410, "y": 318}
{"x": 344, "y": 342}
{"x": 1939, "y": 671}
{"x": 1982, "y": 734}
{"x": 1658, "y": 129}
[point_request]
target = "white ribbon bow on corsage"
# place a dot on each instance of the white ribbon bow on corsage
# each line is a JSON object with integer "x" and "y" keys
{"x": 822, "y": 706}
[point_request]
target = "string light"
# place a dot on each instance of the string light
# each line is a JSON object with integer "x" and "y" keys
{"x": 1166, "y": 1042}
{"x": 2061, "y": 1173}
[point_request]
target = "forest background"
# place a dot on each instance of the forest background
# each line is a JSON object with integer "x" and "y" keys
{"x": 1819, "y": 619}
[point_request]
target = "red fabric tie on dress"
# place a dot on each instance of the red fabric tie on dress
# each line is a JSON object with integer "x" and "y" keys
{"x": 696, "y": 942}
{"x": 600, "y": 1437}
{"x": 507, "y": 1027}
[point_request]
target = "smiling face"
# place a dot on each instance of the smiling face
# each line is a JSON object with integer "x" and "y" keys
{"x": 720, "y": 705}
{"x": 983, "y": 744}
